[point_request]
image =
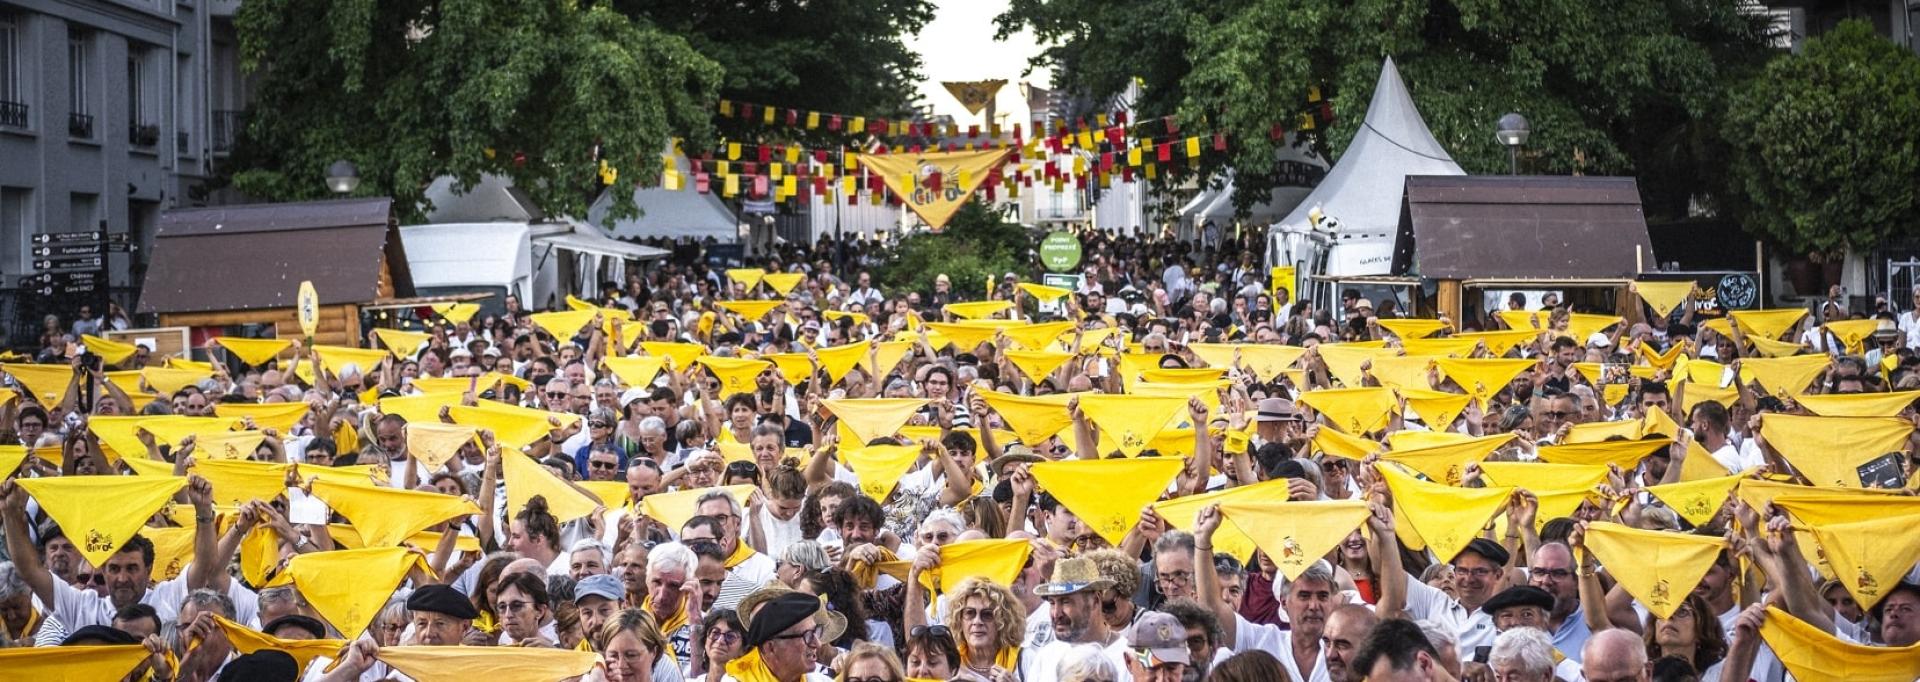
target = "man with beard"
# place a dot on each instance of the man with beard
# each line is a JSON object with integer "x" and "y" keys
{"x": 1306, "y": 599}
{"x": 1552, "y": 570}
{"x": 1073, "y": 600}
{"x": 1346, "y": 629}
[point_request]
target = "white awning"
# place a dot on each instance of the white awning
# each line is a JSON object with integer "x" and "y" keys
{"x": 586, "y": 239}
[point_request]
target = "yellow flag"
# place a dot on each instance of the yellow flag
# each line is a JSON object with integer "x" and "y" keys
{"x": 672, "y": 509}
{"x": 1412, "y": 328}
{"x": 1353, "y": 410}
{"x": 839, "y": 360}
{"x": 1499, "y": 342}
{"x": 977, "y": 310}
{"x": 1830, "y": 450}
{"x": 434, "y": 443}
{"x": 350, "y": 604}
{"x": 871, "y": 418}
{"x": 1296, "y": 534}
{"x": 172, "y": 551}
{"x": 110, "y": 351}
{"x": 247, "y": 640}
{"x": 1446, "y": 518}
{"x": 1852, "y": 333}
{"x": 1863, "y": 557}
{"x": 1229, "y": 537}
{"x": 1043, "y": 292}
{"x": 1811, "y": 654}
{"x": 1781, "y": 376}
{"x": 11, "y": 457}
{"x": 1482, "y": 378}
{"x": 794, "y": 367}
{"x": 1538, "y": 476}
{"x": 1266, "y": 361}
{"x": 402, "y": 343}
{"x": 880, "y": 466}
{"x": 457, "y": 313}
{"x": 747, "y": 277}
{"x": 784, "y": 282}
{"x": 525, "y": 478}
{"x": 419, "y": 408}
{"x": 637, "y": 371}
{"x": 1033, "y": 419}
{"x": 1858, "y": 404}
{"x": 1038, "y": 336}
{"x": 167, "y": 382}
{"x": 751, "y": 310}
{"x": 1831, "y": 506}
{"x": 1438, "y": 409}
{"x": 1451, "y": 346}
{"x": 1595, "y": 432}
{"x": 1658, "y": 568}
{"x": 1696, "y": 501}
{"x": 1769, "y": 324}
{"x": 1107, "y": 494}
{"x": 388, "y": 516}
{"x": 736, "y": 375}
{"x": 335, "y": 359}
{"x": 963, "y": 173}
{"x": 1344, "y": 360}
{"x": 71, "y": 663}
{"x": 228, "y": 445}
{"x": 1037, "y": 365}
{"x": 1775, "y": 349}
{"x": 1625, "y": 453}
{"x": 611, "y": 494}
{"x": 254, "y": 351}
{"x": 1130, "y": 420}
{"x": 1662, "y": 360}
{"x": 1664, "y": 297}
{"x": 1403, "y": 372}
{"x": 1182, "y": 375}
{"x": 239, "y": 482}
{"x": 469, "y": 663}
{"x": 682, "y": 355}
{"x": 999, "y": 561}
{"x": 281, "y": 417}
{"x": 563, "y": 325}
{"x": 513, "y": 426}
{"x": 101, "y": 513}
{"x": 1446, "y": 463}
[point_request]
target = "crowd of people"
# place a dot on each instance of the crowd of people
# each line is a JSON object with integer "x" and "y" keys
{"x": 787, "y": 472}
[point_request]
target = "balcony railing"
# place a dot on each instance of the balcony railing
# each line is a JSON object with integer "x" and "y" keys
{"x": 80, "y": 126}
{"x": 143, "y": 135}
{"x": 13, "y": 114}
{"x": 226, "y": 129}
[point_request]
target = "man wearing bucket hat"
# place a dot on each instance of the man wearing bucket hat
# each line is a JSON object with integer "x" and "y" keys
{"x": 1073, "y": 602}
{"x": 1157, "y": 648}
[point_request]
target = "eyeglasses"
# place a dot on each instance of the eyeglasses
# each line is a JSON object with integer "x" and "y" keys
{"x": 983, "y": 615}
{"x": 556, "y": 394}
{"x": 1553, "y": 573}
{"x": 809, "y": 637}
{"x": 1555, "y": 414}
{"x": 1482, "y": 572}
{"x": 935, "y": 631}
{"x": 1176, "y": 577}
{"x": 725, "y": 636}
{"x": 506, "y": 606}
{"x": 604, "y": 465}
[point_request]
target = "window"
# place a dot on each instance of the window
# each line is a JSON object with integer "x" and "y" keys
{"x": 85, "y": 212}
{"x": 137, "y": 85}
{"x": 16, "y": 222}
{"x": 79, "y": 62}
{"x": 13, "y": 106}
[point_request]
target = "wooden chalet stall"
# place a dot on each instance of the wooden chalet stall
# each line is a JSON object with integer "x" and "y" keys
{"x": 236, "y": 270}
{"x": 1468, "y": 236}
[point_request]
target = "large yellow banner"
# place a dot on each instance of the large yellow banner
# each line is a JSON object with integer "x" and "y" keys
{"x": 910, "y": 176}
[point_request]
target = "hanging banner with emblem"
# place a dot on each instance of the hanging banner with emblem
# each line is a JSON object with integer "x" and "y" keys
{"x": 934, "y": 184}
{"x": 307, "y": 306}
{"x": 1281, "y": 287}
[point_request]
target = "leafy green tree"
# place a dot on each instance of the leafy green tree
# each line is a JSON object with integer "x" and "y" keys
{"x": 977, "y": 243}
{"x": 1827, "y": 143}
{"x": 1611, "y": 87}
{"x": 540, "y": 91}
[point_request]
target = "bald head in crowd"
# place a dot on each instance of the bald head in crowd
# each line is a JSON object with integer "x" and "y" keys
{"x": 1614, "y": 656}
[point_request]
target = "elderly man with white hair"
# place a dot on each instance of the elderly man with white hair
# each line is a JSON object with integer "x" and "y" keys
{"x": 1526, "y": 655}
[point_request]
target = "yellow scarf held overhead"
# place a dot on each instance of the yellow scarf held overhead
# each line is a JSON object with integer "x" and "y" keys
{"x": 1403, "y": 372}
{"x": 1863, "y": 557}
{"x": 1035, "y": 337}
{"x": 1482, "y": 378}
{"x": 747, "y": 277}
{"x": 1339, "y": 444}
{"x": 402, "y": 343}
{"x": 1265, "y": 361}
{"x": 1296, "y": 534}
{"x": 457, "y": 313}
{"x": 1501, "y": 341}
{"x": 1445, "y": 517}
{"x": 1858, "y": 404}
{"x": 784, "y": 282}
{"x": 1450, "y": 346}
{"x": 1044, "y": 293}
{"x": 1412, "y": 328}
{"x": 281, "y": 417}
{"x": 238, "y": 482}
{"x": 337, "y": 359}
{"x": 736, "y": 375}
{"x": 977, "y": 310}
{"x": 1229, "y": 538}
{"x": 1033, "y": 419}
{"x": 1811, "y": 654}
{"x": 71, "y": 663}
{"x": 1438, "y": 409}
{"x": 254, "y": 351}
{"x": 751, "y": 310}
{"x": 1343, "y": 360}
{"x": 1037, "y": 365}
{"x": 101, "y": 513}
{"x": 350, "y": 605}
{"x": 1356, "y": 411}
{"x": 1852, "y": 333}
{"x": 247, "y": 640}
{"x": 1767, "y": 324}
{"x": 1782, "y": 376}
{"x": 514, "y": 427}
{"x": 1663, "y": 297}
{"x": 110, "y": 351}
{"x": 880, "y": 466}
{"x": 46, "y": 383}
{"x": 526, "y": 478}
{"x": 167, "y": 382}
{"x": 1829, "y": 450}
{"x": 673, "y": 509}
{"x": 1697, "y": 501}
{"x": 563, "y": 325}
{"x": 1130, "y": 420}
{"x": 228, "y": 445}
{"x": 1447, "y": 463}
{"x": 839, "y": 360}
{"x": 873, "y": 418}
{"x": 636, "y": 371}
{"x": 681, "y": 355}
{"x": 469, "y": 663}
{"x": 965, "y": 336}
{"x": 1624, "y": 453}
{"x": 1658, "y": 568}
{"x": 386, "y": 517}
{"x": 1538, "y": 476}
{"x": 1662, "y": 359}
{"x": 998, "y": 561}
{"x": 1599, "y": 432}
{"x": 434, "y": 443}
{"x": 1107, "y": 494}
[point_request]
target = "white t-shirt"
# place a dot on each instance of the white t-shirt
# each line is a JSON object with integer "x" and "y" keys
{"x": 1250, "y": 636}
{"x": 778, "y": 533}
{"x": 757, "y": 570}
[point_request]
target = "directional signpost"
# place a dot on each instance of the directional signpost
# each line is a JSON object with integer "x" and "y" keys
{"x": 72, "y": 267}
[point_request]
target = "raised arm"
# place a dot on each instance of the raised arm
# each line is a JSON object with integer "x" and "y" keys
{"x": 1205, "y": 580}
{"x": 27, "y": 562}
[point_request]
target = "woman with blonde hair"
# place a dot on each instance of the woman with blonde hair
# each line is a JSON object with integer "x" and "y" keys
{"x": 869, "y": 662}
{"x": 988, "y": 623}
{"x": 631, "y": 644}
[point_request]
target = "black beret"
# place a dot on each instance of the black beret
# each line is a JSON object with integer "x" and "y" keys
{"x": 99, "y": 634}
{"x": 1490, "y": 550}
{"x": 312, "y": 625}
{"x": 778, "y": 614}
{"x": 1519, "y": 595}
{"x": 442, "y": 599}
{"x": 265, "y": 665}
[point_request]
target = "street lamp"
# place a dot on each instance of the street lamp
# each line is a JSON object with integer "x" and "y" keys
{"x": 343, "y": 177}
{"x": 1512, "y": 131}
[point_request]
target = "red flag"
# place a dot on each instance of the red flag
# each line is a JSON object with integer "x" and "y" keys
{"x": 1119, "y": 118}
{"x": 793, "y": 117}
{"x": 1219, "y": 142}
{"x": 1106, "y": 161}
{"x": 1277, "y": 133}
{"x": 1164, "y": 151}
{"x": 700, "y": 183}
{"x": 765, "y": 153}
{"x": 1126, "y": 173}
{"x": 746, "y": 110}
{"x": 819, "y": 156}
{"x": 1173, "y": 125}
{"x": 1116, "y": 136}
{"x": 973, "y": 131}
{"x": 833, "y": 122}
{"x": 749, "y": 168}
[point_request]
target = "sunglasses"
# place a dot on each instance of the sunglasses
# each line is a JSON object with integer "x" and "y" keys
{"x": 90, "y": 579}
{"x": 935, "y": 631}
{"x": 603, "y": 465}
{"x": 599, "y": 424}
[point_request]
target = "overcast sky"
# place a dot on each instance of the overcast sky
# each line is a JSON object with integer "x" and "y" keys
{"x": 958, "y": 45}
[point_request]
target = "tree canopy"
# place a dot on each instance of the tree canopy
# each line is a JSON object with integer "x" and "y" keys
{"x": 1826, "y": 143}
{"x": 1609, "y": 87}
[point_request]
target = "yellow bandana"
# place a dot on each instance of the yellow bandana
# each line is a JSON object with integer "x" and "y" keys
{"x": 1864, "y": 560}
{"x": 1767, "y": 324}
{"x": 1043, "y": 292}
{"x": 336, "y": 359}
{"x": 1131, "y": 421}
{"x": 254, "y": 351}
{"x": 1451, "y": 346}
{"x": 1696, "y": 501}
{"x": 673, "y": 509}
{"x": 880, "y": 466}
{"x": 1829, "y": 450}
{"x": 749, "y": 668}
{"x": 1499, "y": 342}
{"x": 1296, "y": 534}
{"x": 101, "y": 513}
{"x": 350, "y": 605}
{"x": 1447, "y": 518}
{"x": 1782, "y": 376}
{"x": 998, "y": 561}
{"x": 468, "y": 663}
{"x": 1353, "y": 410}
{"x": 457, "y": 313}
{"x": 1340, "y": 444}
{"x": 1858, "y": 404}
{"x": 784, "y": 282}
{"x": 1852, "y": 333}
{"x": 1107, "y": 494}
{"x": 637, "y": 371}
{"x": 1037, "y": 365}
{"x": 889, "y": 355}
{"x": 1658, "y": 568}
{"x": 1438, "y": 409}
{"x": 434, "y": 443}
{"x": 1482, "y": 378}
{"x": 682, "y": 355}
{"x": 1265, "y": 361}
{"x": 747, "y": 277}
{"x": 750, "y": 310}
{"x": 1403, "y": 372}
{"x": 1412, "y": 328}
{"x": 1228, "y": 538}
{"x": 1663, "y": 297}
{"x": 873, "y": 418}
{"x": 1036, "y": 337}
{"x": 977, "y": 310}
{"x": 1446, "y": 463}
{"x": 71, "y": 663}
{"x": 526, "y": 478}
{"x": 1343, "y": 360}
{"x": 1624, "y": 453}
{"x": 1811, "y": 654}
{"x": 514, "y": 427}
